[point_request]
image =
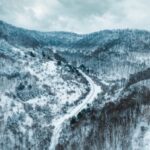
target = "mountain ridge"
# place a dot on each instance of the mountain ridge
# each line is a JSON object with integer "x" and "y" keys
{"x": 67, "y": 32}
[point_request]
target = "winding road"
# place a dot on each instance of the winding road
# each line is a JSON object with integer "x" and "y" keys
{"x": 58, "y": 123}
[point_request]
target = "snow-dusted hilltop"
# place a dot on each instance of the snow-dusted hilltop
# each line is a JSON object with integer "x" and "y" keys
{"x": 67, "y": 91}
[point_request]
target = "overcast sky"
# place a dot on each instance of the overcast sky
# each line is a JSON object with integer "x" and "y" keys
{"x": 81, "y": 16}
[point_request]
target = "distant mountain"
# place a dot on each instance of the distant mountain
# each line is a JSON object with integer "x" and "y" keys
{"x": 35, "y": 39}
{"x": 134, "y": 40}
{"x": 95, "y": 50}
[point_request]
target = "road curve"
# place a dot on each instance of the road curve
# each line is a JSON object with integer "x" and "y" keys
{"x": 94, "y": 90}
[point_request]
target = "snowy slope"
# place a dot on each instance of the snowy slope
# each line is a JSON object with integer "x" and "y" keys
{"x": 35, "y": 89}
{"x": 66, "y": 91}
{"x": 58, "y": 123}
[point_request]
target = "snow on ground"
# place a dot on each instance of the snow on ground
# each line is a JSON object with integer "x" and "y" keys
{"x": 64, "y": 87}
{"x": 141, "y": 136}
{"x": 140, "y": 57}
{"x": 58, "y": 122}
{"x": 13, "y": 109}
{"x": 49, "y": 74}
{"x": 146, "y": 140}
{"x": 56, "y": 92}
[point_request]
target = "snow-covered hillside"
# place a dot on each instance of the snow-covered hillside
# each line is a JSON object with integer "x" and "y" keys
{"x": 66, "y": 91}
{"x": 35, "y": 88}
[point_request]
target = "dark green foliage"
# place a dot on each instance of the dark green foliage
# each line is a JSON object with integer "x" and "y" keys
{"x": 73, "y": 120}
{"x": 21, "y": 87}
{"x": 32, "y": 54}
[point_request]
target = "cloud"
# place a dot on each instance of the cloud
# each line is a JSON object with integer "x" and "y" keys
{"x": 76, "y": 15}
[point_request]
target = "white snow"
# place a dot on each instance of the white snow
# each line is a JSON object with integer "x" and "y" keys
{"x": 141, "y": 140}
{"x": 49, "y": 67}
{"x": 141, "y": 134}
{"x": 57, "y": 123}
{"x": 48, "y": 74}
{"x": 146, "y": 140}
{"x": 18, "y": 50}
